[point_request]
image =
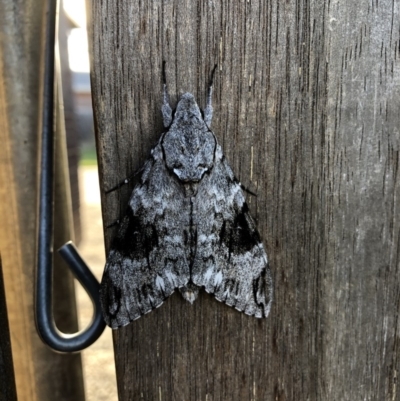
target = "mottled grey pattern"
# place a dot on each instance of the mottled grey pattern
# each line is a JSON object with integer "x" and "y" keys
{"x": 187, "y": 226}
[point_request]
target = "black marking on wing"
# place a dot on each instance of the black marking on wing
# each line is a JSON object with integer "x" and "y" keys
{"x": 241, "y": 235}
{"x": 114, "y": 298}
{"x": 222, "y": 233}
{"x": 133, "y": 239}
{"x": 260, "y": 287}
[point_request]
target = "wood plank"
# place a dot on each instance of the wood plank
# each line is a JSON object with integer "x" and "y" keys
{"x": 306, "y": 107}
{"x": 40, "y": 373}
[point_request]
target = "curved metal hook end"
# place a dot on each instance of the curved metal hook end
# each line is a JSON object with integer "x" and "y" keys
{"x": 46, "y": 327}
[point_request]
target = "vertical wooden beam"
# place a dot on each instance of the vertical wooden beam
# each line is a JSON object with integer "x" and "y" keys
{"x": 359, "y": 194}
{"x": 306, "y": 107}
{"x": 40, "y": 373}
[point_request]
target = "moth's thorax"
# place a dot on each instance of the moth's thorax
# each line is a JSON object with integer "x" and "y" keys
{"x": 189, "y": 144}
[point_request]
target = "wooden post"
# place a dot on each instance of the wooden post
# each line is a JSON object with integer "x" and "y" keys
{"x": 306, "y": 107}
{"x": 40, "y": 373}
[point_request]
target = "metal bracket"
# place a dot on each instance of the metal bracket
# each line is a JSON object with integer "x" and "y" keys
{"x": 45, "y": 324}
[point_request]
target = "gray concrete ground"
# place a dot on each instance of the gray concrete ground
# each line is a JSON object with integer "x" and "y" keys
{"x": 98, "y": 360}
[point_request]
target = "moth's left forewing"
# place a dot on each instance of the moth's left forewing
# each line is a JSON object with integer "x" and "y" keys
{"x": 148, "y": 257}
{"x": 230, "y": 258}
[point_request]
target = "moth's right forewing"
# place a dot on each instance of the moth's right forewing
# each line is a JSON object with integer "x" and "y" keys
{"x": 149, "y": 256}
{"x": 230, "y": 261}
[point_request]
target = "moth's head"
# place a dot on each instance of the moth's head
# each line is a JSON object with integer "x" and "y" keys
{"x": 187, "y": 112}
{"x": 189, "y": 144}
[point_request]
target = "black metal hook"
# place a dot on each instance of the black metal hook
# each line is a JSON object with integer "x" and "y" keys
{"x": 43, "y": 298}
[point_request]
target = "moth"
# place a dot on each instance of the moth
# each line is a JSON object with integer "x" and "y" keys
{"x": 187, "y": 226}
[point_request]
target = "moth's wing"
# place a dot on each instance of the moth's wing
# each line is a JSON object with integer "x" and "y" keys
{"x": 148, "y": 257}
{"x": 230, "y": 260}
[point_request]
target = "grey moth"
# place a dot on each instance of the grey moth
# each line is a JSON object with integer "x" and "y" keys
{"x": 187, "y": 226}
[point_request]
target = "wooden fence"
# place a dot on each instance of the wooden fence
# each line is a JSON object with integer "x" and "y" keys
{"x": 306, "y": 108}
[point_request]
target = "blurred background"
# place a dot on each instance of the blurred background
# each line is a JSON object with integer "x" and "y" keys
{"x": 98, "y": 360}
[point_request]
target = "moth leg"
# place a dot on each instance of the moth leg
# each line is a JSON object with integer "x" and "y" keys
{"x": 247, "y": 190}
{"x": 124, "y": 182}
{"x": 115, "y": 223}
{"x": 165, "y": 108}
{"x": 208, "y": 111}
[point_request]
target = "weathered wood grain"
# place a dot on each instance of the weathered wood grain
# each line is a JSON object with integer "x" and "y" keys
{"x": 40, "y": 374}
{"x": 306, "y": 107}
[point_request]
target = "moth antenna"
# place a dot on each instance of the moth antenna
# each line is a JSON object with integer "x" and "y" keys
{"x": 208, "y": 111}
{"x": 211, "y": 83}
{"x": 164, "y": 77}
{"x": 166, "y": 108}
